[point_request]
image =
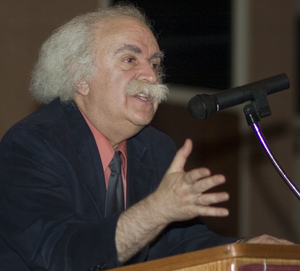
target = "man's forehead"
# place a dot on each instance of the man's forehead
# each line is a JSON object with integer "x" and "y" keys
{"x": 124, "y": 26}
{"x": 126, "y": 34}
{"x": 120, "y": 23}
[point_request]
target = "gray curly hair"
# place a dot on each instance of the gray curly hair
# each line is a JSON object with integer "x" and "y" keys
{"x": 68, "y": 55}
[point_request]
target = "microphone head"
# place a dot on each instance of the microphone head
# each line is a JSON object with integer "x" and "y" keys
{"x": 202, "y": 106}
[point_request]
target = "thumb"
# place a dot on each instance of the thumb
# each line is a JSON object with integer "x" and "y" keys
{"x": 181, "y": 156}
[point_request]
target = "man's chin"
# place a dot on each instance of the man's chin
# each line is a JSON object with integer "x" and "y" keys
{"x": 140, "y": 123}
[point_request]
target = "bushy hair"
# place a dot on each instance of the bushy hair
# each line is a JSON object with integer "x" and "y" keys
{"x": 68, "y": 56}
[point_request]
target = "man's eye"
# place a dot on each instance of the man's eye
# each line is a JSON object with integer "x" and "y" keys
{"x": 129, "y": 59}
{"x": 155, "y": 66}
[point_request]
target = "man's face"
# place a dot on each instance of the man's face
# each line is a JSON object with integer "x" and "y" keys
{"x": 126, "y": 50}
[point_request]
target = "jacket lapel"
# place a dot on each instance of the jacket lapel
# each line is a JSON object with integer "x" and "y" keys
{"x": 89, "y": 165}
{"x": 139, "y": 173}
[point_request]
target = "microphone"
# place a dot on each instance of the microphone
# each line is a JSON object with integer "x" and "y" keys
{"x": 203, "y": 106}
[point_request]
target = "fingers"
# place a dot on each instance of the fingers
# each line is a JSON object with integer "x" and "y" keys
{"x": 205, "y": 200}
{"x": 213, "y": 198}
{"x": 266, "y": 239}
{"x": 184, "y": 191}
{"x": 213, "y": 211}
{"x": 202, "y": 180}
{"x": 181, "y": 157}
{"x": 178, "y": 164}
{"x": 196, "y": 175}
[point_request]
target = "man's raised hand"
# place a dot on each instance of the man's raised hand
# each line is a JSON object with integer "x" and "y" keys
{"x": 183, "y": 195}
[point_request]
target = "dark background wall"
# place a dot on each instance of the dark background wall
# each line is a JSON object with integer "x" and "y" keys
{"x": 195, "y": 36}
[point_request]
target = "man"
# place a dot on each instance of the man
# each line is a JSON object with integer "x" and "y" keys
{"x": 100, "y": 75}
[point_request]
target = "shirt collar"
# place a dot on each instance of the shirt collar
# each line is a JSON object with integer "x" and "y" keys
{"x": 106, "y": 151}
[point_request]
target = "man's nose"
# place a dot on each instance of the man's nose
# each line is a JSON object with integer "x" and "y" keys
{"x": 147, "y": 73}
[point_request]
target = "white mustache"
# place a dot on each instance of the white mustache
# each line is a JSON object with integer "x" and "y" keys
{"x": 158, "y": 93}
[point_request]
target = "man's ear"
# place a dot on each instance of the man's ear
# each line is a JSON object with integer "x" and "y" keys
{"x": 83, "y": 88}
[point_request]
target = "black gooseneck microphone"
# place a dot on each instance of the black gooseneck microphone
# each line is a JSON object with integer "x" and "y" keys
{"x": 203, "y": 106}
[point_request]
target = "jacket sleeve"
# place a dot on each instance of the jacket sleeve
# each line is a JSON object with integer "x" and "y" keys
{"x": 45, "y": 212}
{"x": 187, "y": 236}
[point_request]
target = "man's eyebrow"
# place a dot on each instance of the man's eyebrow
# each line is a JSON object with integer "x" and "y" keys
{"x": 137, "y": 50}
{"x": 159, "y": 55}
{"x": 129, "y": 47}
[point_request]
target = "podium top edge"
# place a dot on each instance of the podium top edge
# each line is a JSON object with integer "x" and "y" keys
{"x": 230, "y": 251}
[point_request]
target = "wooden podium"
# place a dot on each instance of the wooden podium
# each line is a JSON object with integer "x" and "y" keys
{"x": 243, "y": 257}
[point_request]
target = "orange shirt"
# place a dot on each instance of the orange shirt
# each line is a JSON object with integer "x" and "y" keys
{"x": 107, "y": 152}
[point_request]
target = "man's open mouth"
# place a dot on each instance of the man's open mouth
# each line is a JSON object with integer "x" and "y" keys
{"x": 143, "y": 97}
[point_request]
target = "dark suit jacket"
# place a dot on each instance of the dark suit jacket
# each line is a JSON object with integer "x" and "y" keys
{"x": 52, "y": 195}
